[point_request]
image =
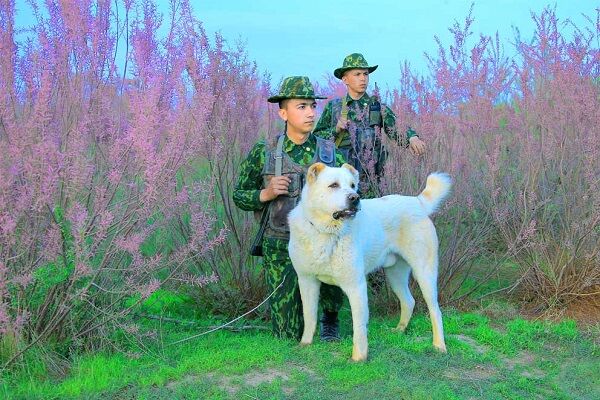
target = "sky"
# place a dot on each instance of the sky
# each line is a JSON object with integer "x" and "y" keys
{"x": 312, "y": 37}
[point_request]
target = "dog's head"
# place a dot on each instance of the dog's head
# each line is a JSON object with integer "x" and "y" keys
{"x": 332, "y": 192}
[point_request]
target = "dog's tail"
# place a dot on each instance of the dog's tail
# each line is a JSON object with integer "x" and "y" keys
{"x": 436, "y": 190}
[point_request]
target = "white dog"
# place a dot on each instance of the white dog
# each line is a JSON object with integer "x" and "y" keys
{"x": 337, "y": 239}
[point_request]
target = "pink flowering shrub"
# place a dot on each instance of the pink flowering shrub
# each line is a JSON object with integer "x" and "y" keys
{"x": 117, "y": 180}
{"x": 104, "y": 193}
{"x": 238, "y": 118}
{"x": 521, "y": 139}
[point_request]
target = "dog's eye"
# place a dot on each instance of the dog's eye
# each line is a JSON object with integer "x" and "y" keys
{"x": 353, "y": 186}
{"x": 334, "y": 185}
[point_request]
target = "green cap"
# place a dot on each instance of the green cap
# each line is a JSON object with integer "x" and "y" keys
{"x": 295, "y": 87}
{"x": 353, "y": 61}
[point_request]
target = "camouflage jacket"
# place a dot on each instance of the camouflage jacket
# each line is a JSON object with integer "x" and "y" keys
{"x": 250, "y": 181}
{"x": 359, "y": 109}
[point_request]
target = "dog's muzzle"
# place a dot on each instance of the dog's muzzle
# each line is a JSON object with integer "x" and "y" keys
{"x": 353, "y": 208}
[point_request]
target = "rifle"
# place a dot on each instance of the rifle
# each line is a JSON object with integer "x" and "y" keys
{"x": 256, "y": 249}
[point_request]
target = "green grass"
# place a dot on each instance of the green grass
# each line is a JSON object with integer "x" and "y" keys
{"x": 489, "y": 359}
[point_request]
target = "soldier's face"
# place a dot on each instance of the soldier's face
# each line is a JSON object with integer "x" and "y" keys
{"x": 300, "y": 114}
{"x": 356, "y": 80}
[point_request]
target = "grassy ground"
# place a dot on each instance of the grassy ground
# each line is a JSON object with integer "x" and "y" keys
{"x": 491, "y": 359}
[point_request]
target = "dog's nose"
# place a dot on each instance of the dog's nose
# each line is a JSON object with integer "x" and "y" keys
{"x": 353, "y": 198}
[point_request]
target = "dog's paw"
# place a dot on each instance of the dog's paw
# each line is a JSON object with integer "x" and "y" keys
{"x": 359, "y": 354}
{"x": 304, "y": 344}
{"x": 441, "y": 348}
{"x": 400, "y": 328}
{"x": 357, "y": 358}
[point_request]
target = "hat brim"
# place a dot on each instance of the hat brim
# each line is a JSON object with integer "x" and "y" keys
{"x": 277, "y": 99}
{"x": 339, "y": 72}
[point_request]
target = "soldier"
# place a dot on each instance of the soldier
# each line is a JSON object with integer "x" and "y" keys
{"x": 355, "y": 122}
{"x": 271, "y": 179}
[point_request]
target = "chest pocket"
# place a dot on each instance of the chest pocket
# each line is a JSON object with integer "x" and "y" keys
{"x": 283, "y": 204}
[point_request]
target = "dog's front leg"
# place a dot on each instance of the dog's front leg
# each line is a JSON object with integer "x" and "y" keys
{"x": 309, "y": 292}
{"x": 359, "y": 303}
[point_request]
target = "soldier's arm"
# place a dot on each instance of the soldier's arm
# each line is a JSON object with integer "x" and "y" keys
{"x": 409, "y": 134}
{"x": 389, "y": 124}
{"x": 392, "y": 131}
{"x": 324, "y": 128}
{"x": 246, "y": 194}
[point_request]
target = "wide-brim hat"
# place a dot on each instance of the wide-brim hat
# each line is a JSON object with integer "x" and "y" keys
{"x": 295, "y": 87}
{"x": 354, "y": 61}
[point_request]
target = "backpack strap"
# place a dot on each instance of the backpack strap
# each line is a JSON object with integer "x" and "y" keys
{"x": 344, "y": 115}
{"x": 344, "y": 107}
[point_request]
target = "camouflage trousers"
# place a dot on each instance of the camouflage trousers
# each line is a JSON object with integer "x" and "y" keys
{"x": 286, "y": 303}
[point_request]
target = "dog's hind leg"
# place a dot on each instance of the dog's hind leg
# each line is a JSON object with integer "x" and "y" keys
{"x": 426, "y": 276}
{"x": 309, "y": 292}
{"x": 398, "y": 276}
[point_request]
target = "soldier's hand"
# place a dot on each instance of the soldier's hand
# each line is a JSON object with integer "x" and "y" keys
{"x": 417, "y": 146}
{"x": 342, "y": 125}
{"x": 278, "y": 185}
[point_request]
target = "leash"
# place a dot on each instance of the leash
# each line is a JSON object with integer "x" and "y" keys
{"x": 232, "y": 321}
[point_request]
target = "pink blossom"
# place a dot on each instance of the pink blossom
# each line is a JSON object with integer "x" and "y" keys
{"x": 21, "y": 320}
{"x": 4, "y": 317}
{"x": 23, "y": 280}
{"x": 150, "y": 288}
{"x": 82, "y": 270}
{"x": 131, "y": 328}
{"x": 77, "y": 215}
{"x": 7, "y": 224}
{"x": 131, "y": 243}
{"x": 199, "y": 281}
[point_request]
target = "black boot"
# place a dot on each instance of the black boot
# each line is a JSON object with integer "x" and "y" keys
{"x": 330, "y": 326}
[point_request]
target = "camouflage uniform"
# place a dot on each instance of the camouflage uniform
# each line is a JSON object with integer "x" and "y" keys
{"x": 286, "y": 304}
{"x": 361, "y": 143}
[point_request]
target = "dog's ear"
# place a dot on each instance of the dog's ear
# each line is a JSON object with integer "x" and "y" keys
{"x": 314, "y": 171}
{"x": 352, "y": 170}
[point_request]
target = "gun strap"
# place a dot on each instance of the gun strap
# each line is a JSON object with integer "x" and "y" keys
{"x": 343, "y": 114}
{"x": 279, "y": 155}
{"x": 344, "y": 107}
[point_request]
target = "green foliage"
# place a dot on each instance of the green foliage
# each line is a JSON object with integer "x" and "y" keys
{"x": 166, "y": 303}
{"x": 51, "y": 274}
{"x": 98, "y": 373}
{"x": 487, "y": 359}
{"x": 58, "y": 271}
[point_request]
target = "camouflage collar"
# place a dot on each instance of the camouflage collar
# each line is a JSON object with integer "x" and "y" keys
{"x": 288, "y": 145}
{"x": 364, "y": 99}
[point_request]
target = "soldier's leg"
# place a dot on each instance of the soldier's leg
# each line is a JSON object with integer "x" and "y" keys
{"x": 332, "y": 298}
{"x": 286, "y": 303}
